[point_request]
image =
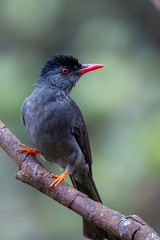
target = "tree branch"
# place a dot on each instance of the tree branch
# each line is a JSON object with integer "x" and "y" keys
{"x": 156, "y": 3}
{"x": 33, "y": 173}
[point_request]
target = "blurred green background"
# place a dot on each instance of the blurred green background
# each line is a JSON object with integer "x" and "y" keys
{"x": 120, "y": 104}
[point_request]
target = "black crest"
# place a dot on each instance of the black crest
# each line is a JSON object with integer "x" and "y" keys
{"x": 60, "y": 60}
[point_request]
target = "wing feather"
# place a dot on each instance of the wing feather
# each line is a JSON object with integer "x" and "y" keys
{"x": 80, "y": 133}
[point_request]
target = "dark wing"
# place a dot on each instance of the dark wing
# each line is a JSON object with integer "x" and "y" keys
{"x": 85, "y": 184}
{"x": 80, "y": 133}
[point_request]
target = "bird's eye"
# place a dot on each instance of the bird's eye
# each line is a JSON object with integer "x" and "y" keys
{"x": 65, "y": 70}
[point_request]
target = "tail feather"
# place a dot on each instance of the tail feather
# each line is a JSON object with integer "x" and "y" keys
{"x": 86, "y": 185}
{"x": 91, "y": 231}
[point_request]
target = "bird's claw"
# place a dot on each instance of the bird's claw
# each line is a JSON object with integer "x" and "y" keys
{"x": 58, "y": 179}
{"x": 29, "y": 150}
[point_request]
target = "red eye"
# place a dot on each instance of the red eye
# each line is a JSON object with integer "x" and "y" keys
{"x": 65, "y": 70}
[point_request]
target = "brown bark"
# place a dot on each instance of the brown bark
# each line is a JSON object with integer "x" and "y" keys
{"x": 33, "y": 173}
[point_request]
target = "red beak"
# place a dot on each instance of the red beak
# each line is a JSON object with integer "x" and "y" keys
{"x": 89, "y": 67}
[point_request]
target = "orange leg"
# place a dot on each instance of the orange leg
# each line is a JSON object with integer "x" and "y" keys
{"x": 29, "y": 150}
{"x": 59, "y": 179}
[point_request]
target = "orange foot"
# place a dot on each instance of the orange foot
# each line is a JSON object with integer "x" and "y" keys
{"x": 29, "y": 150}
{"x": 59, "y": 179}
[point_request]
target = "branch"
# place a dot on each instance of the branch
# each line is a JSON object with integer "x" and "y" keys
{"x": 33, "y": 173}
{"x": 156, "y": 3}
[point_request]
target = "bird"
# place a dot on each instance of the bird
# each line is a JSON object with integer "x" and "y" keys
{"x": 55, "y": 126}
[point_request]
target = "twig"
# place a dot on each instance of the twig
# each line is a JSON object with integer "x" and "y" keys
{"x": 33, "y": 173}
{"x": 156, "y": 3}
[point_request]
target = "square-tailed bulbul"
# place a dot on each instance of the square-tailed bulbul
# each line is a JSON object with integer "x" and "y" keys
{"x": 56, "y": 128}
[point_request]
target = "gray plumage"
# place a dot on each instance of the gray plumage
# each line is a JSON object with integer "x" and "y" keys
{"x": 56, "y": 128}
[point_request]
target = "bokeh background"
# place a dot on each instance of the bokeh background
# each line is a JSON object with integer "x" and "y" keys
{"x": 120, "y": 104}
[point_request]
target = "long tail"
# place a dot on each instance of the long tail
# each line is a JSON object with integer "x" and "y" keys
{"x": 86, "y": 185}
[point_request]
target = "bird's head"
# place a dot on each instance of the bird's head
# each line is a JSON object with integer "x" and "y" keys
{"x": 61, "y": 72}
